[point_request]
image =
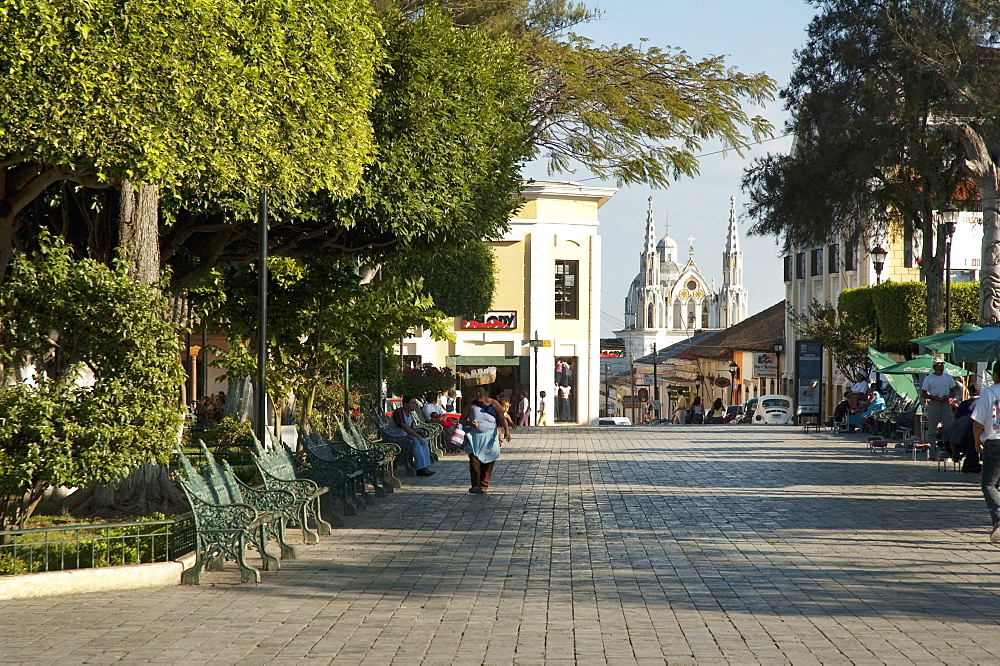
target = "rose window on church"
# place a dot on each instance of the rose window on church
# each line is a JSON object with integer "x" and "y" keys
{"x": 692, "y": 284}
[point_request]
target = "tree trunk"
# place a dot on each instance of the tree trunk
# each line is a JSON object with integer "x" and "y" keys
{"x": 986, "y": 172}
{"x": 146, "y": 490}
{"x": 138, "y": 229}
{"x": 932, "y": 267}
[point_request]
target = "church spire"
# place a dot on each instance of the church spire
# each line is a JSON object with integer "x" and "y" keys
{"x": 733, "y": 238}
{"x": 650, "y": 230}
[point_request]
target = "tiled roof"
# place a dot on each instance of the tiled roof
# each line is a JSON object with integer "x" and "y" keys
{"x": 757, "y": 333}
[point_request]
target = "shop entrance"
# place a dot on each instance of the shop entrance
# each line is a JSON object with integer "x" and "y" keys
{"x": 565, "y": 383}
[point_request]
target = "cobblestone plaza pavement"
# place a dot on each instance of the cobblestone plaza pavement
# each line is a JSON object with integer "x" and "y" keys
{"x": 695, "y": 544}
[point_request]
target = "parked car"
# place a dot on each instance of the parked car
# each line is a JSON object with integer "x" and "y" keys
{"x": 734, "y": 414}
{"x": 614, "y": 421}
{"x": 773, "y": 409}
{"x": 749, "y": 407}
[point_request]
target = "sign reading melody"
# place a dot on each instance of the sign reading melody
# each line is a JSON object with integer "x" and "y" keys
{"x": 504, "y": 320}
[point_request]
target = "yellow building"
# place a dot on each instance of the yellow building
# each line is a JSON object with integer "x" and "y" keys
{"x": 548, "y": 290}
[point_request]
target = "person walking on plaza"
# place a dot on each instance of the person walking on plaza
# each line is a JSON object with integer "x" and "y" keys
{"x": 482, "y": 418}
{"x": 986, "y": 433}
{"x": 524, "y": 409}
{"x": 542, "y": 418}
{"x": 681, "y": 411}
{"x": 697, "y": 411}
{"x": 936, "y": 392}
{"x": 402, "y": 419}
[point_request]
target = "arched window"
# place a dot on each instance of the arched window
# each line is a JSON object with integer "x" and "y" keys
{"x": 649, "y": 317}
{"x": 705, "y": 308}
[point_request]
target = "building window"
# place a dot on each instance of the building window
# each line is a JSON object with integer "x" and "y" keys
{"x": 816, "y": 262}
{"x": 411, "y": 361}
{"x": 788, "y": 268}
{"x": 800, "y": 266}
{"x": 567, "y": 300}
{"x": 833, "y": 259}
{"x": 851, "y": 256}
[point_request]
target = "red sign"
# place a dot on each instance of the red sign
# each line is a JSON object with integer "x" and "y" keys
{"x": 493, "y": 320}
{"x": 612, "y": 353}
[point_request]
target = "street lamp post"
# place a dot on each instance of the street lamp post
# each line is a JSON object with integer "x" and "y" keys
{"x": 949, "y": 218}
{"x": 778, "y": 348}
{"x": 878, "y": 262}
{"x": 733, "y": 370}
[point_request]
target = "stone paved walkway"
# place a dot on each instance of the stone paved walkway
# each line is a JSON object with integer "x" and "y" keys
{"x": 597, "y": 545}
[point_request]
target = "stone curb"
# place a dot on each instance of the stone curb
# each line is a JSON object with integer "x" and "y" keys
{"x": 76, "y": 581}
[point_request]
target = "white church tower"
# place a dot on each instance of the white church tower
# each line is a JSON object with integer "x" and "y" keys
{"x": 733, "y": 296}
{"x": 669, "y": 299}
{"x": 648, "y": 314}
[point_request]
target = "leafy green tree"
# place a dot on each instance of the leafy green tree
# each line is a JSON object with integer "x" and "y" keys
{"x": 90, "y": 370}
{"x": 957, "y": 42}
{"x": 635, "y": 114}
{"x": 449, "y": 127}
{"x": 196, "y": 97}
{"x": 461, "y": 279}
{"x": 871, "y": 150}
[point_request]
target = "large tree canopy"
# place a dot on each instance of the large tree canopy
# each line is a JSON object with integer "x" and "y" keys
{"x": 635, "y": 114}
{"x": 872, "y": 148}
{"x": 449, "y": 127}
{"x": 211, "y": 97}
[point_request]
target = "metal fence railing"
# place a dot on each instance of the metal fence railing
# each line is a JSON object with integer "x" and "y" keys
{"x": 99, "y": 545}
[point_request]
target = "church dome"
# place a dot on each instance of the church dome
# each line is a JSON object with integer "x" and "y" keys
{"x": 667, "y": 249}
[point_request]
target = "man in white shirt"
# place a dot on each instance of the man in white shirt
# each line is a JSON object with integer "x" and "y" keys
{"x": 986, "y": 432}
{"x": 936, "y": 392}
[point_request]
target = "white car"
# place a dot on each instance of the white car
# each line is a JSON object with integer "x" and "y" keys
{"x": 614, "y": 421}
{"x": 773, "y": 409}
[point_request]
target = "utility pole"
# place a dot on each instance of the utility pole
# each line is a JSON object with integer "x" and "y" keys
{"x": 261, "y": 403}
{"x": 656, "y": 388}
{"x": 607, "y": 391}
{"x": 632, "y": 361}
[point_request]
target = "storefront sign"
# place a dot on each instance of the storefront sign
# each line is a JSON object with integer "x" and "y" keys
{"x": 495, "y": 320}
{"x": 612, "y": 353}
{"x": 765, "y": 365}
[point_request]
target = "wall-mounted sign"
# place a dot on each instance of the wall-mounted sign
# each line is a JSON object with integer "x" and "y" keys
{"x": 612, "y": 353}
{"x": 765, "y": 365}
{"x": 496, "y": 320}
{"x": 722, "y": 382}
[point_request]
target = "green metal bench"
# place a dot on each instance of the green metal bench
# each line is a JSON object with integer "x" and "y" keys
{"x": 377, "y": 458}
{"x": 342, "y": 474}
{"x": 229, "y": 520}
{"x": 281, "y": 470}
{"x": 432, "y": 432}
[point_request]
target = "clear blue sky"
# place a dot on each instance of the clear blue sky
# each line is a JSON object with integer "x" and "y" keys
{"x": 756, "y": 37}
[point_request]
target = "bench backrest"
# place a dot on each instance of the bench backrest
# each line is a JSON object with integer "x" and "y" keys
{"x": 214, "y": 483}
{"x": 318, "y": 447}
{"x": 278, "y": 461}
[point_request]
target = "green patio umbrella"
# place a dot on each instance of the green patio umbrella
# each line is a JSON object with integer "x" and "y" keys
{"x": 942, "y": 342}
{"x": 901, "y": 384}
{"x": 922, "y": 365}
{"x": 981, "y": 345}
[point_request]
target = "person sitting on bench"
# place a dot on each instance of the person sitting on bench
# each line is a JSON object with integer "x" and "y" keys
{"x": 857, "y": 398}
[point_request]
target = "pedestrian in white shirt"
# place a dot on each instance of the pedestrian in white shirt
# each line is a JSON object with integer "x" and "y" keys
{"x": 936, "y": 392}
{"x": 986, "y": 432}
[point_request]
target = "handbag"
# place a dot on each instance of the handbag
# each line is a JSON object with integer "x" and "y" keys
{"x": 458, "y": 437}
